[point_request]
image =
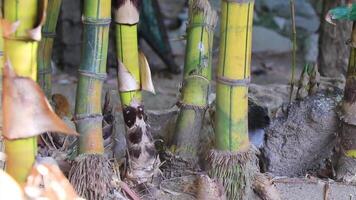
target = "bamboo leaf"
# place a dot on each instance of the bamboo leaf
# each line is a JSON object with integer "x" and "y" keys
{"x": 26, "y": 111}
{"x": 146, "y": 78}
{"x": 9, "y": 189}
{"x": 126, "y": 81}
{"x": 127, "y": 12}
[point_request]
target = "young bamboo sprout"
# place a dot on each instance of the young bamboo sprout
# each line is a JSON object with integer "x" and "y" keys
{"x": 134, "y": 75}
{"x": 24, "y": 103}
{"x": 45, "y": 46}
{"x": 303, "y": 84}
{"x": 21, "y": 24}
{"x": 91, "y": 173}
{"x": 345, "y": 169}
{"x": 197, "y": 76}
{"x": 233, "y": 162}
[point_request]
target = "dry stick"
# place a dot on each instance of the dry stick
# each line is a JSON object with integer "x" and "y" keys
{"x": 294, "y": 50}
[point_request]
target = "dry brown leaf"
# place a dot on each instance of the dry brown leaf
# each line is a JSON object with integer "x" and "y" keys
{"x": 127, "y": 13}
{"x": 126, "y": 81}
{"x": 146, "y": 78}
{"x": 26, "y": 111}
{"x": 46, "y": 181}
{"x": 9, "y": 189}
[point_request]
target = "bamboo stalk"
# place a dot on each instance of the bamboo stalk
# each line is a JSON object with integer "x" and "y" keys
{"x": 197, "y": 76}
{"x": 346, "y": 169}
{"x": 46, "y": 45}
{"x": 21, "y": 50}
{"x": 90, "y": 174}
{"x": 133, "y": 76}
{"x": 233, "y": 162}
{"x": 233, "y": 76}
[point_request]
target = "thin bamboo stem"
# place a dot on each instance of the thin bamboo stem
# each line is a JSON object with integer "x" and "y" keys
{"x": 46, "y": 45}
{"x": 294, "y": 50}
{"x": 21, "y": 51}
{"x": 92, "y": 72}
{"x": 233, "y": 76}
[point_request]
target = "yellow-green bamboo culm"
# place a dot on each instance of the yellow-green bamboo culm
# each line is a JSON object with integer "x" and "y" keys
{"x": 90, "y": 173}
{"x": 45, "y": 47}
{"x": 21, "y": 51}
{"x": 92, "y": 73}
{"x": 346, "y": 166}
{"x": 232, "y": 161}
{"x": 197, "y": 76}
{"x": 127, "y": 52}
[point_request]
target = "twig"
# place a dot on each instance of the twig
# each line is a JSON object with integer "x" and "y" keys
{"x": 128, "y": 191}
{"x": 294, "y": 50}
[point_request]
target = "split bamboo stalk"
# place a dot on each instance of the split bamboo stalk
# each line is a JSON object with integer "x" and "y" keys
{"x": 197, "y": 76}
{"x": 21, "y": 49}
{"x": 46, "y": 45}
{"x": 90, "y": 174}
{"x": 233, "y": 161}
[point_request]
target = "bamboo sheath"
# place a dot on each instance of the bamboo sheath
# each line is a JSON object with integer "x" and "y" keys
{"x": 21, "y": 51}
{"x": 46, "y": 45}
{"x": 197, "y": 76}
{"x": 233, "y": 76}
{"x": 92, "y": 72}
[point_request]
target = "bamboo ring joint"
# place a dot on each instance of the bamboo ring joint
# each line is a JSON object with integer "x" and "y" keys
{"x": 100, "y": 76}
{"x": 233, "y": 82}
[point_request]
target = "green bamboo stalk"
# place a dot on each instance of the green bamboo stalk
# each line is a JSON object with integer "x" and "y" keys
{"x": 90, "y": 174}
{"x": 197, "y": 76}
{"x": 46, "y": 45}
{"x": 21, "y": 50}
{"x": 233, "y": 162}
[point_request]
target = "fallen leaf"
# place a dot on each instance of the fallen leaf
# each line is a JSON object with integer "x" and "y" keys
{"x": 26, "y": 111}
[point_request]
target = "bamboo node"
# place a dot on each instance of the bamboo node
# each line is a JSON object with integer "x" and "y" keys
{"x": 100, "y": 76}
{"x": 187, "y": 106}
{"x": 233, "y": 82}
{"x": 99, "y": 22}
{"x": 83, "y": 117}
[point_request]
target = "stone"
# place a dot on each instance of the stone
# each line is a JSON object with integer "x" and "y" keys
{"x": 311, "y": 48}
{"x": 265, "y": 40}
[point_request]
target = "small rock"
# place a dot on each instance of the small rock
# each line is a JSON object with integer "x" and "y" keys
{"x": 275, "y": 44}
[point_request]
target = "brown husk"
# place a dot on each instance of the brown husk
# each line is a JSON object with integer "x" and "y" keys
{"x": 235, "y": 170}
{"x": 91, "y": 176}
